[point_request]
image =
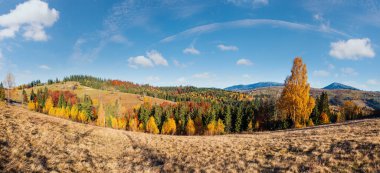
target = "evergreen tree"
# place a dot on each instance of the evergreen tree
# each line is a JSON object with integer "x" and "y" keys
{"x": 227, "y": 119}
{"x": 24, "y": 96}
{"x": 238, "y": 121}
{"x": 61, "y": 101}
{"x": 2, "y": 92}
{"x": 32, "y": 96}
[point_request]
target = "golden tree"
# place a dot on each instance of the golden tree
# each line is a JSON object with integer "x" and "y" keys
{"x": 295, "y": 101}
{"x": 48, "y": 105}
{"x": 74, "y": 112}
{"x": 151, "y": 126}
{"x": 190, "y": 129}
{"x": 220, "y": 127}
{"x": 169, "y": 127}
{"x": 101, "y": 121}
{"x": 324, "y": 118}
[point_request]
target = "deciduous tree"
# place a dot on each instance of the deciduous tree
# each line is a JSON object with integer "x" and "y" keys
{"x": 295, "y": 101}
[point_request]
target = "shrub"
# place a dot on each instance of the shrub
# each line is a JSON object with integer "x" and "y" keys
{"x": 324, "y": 118}
{"x": 31, "y": 106}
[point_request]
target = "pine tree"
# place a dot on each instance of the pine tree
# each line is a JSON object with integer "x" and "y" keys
{"x": 239, "y": 116}
{"x": 295, "y": 101}
{"x": 2, "y": 92}
{"x": 24, "y": 96}
{"x": 227, "y": 119}
{"x": 32, "y": 96}
{"x": 61, "y": 101}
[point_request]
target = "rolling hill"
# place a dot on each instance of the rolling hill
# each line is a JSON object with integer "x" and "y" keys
{"x": 106, "y": 96}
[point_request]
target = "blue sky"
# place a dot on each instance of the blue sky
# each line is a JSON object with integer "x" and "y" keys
{"x": 201, "y": 43}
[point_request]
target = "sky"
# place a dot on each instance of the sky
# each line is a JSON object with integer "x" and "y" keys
{"x": 213, "y": 43}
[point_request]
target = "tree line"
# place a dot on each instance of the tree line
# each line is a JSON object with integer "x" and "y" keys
{"x": 195, "y": 111}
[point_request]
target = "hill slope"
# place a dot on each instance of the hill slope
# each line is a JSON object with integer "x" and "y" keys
{"x": 339, "y": 86}
{"x": 253, "y": 86}
{"x": 126, "y": 99}
{"x": 36, "y": 142}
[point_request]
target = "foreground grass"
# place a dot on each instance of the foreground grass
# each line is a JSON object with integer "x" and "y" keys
{"x": 35, "y": 142}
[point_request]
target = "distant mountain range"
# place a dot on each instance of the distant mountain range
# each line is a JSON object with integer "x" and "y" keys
{"x": 253, "y": 86}
{"x": 333, "y": 86}
{"x": 339, "y": 86}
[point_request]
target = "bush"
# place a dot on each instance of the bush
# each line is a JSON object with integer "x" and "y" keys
{"x": 324, "y": 118}
{"x": 31, "y": 106}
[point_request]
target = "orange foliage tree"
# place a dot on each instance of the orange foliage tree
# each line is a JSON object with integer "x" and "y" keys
{"x": 324, "y": 118}
{"x": 295, "y": 101}
{"x": 151, "y": 126}
{"x": 169, "y": 127}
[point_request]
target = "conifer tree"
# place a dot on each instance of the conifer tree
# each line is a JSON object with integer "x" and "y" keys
{"x": 2, "y": 92}
{"x": 24, "y": 96}
{"x": 295, "y": 101}
{"x": 227, "y": 119}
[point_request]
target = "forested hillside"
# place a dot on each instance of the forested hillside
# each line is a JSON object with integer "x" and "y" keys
{"x": 188, "y": 110}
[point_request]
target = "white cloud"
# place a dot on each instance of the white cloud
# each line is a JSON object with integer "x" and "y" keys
{"x": 227, "y": 48}
{"x": 321, "y": 73}
{"x": 202, "y": 75}
{"x": 137, "y": 61}
{"x": 191, "y": 50}
{"x": 247, "y": 23}
{"x": 157, "y": 58}
{"x": 349, "y": 71}
{"x": 31, "y": 17}
{"x": 243, "y": 61}
{"x": 373, "y": 82}
{"x": 44, "y": 67}
{"x": 352, "y": 49}
{"x": 153, "y": 58}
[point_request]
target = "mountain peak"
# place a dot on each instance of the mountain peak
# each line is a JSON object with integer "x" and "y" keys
{"x": 337, "y": 86}
{"x": 253, "y": 86}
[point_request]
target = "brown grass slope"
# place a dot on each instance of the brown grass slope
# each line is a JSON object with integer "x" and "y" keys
{"x": 36, "y": 142}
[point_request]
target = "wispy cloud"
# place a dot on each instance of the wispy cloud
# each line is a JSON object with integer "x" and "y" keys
{"x": 249, "y": 3}
{"x": 246, "y": 23}
{"x": 44, "y": 67}
{"x": 321, "y": 73}
{"x": 30, "y": 17}
{"x": 352, "y": 49}
{"x": 205, "y": 75}
{"x": 349, "y": 71}
{"x": 223, "y": 47}
{"x": 245, "y": 62}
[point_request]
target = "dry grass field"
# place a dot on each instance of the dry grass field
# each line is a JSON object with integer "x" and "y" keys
{"x": 33, "y": 142}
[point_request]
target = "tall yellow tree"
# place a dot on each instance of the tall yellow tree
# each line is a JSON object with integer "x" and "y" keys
{"x": 101, "y": 121}
{"x": 295, "y": 101}
{"x": 151, "y": 126}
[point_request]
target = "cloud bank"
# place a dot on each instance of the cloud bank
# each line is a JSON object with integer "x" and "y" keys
{"x": 31, "y": 18}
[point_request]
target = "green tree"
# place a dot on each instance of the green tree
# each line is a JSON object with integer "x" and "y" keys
{"x": 2, "y": 92}
{"x": 239, "y": 116}
{"x": 227, "y": 119}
